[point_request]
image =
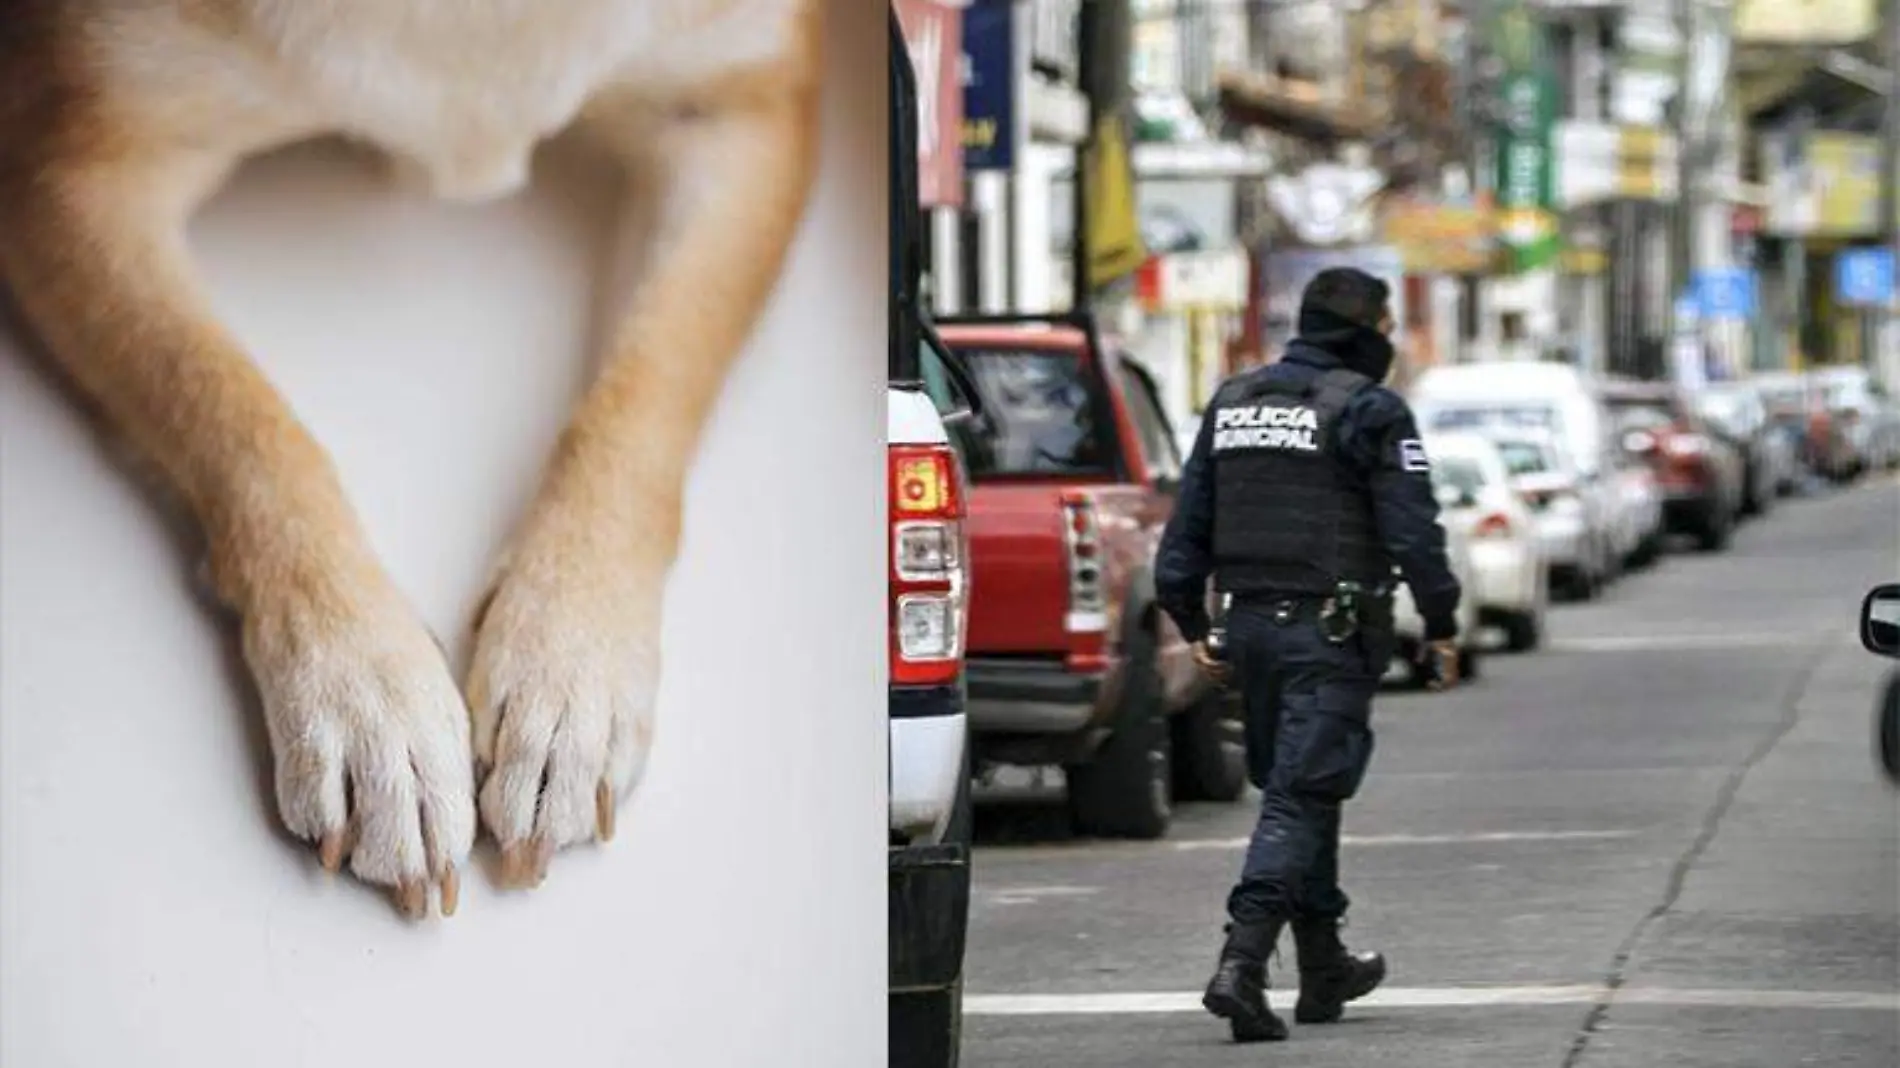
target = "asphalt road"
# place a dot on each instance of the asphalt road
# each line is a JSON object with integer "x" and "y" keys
{"x": 1662, "y": 839}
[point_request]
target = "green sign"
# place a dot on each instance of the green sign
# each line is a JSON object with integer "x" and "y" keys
{"x": 1528, "y": 225}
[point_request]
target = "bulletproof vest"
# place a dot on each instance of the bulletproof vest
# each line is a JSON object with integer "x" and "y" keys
{"x": 1289, "y": 515}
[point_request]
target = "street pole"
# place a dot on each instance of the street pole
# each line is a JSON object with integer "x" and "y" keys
{"x": 1682, "y": 228}
{"x": 1081, "y": 294}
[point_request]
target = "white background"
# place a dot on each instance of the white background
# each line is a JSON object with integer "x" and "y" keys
{"x": 151, "y": 914}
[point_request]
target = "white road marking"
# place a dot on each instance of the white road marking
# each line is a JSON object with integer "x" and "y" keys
{"x": 1029, "y": 895}
{"x": 1187, "y": 844}
{"x": 1673, "y": 643}
{"x": 1425, "y": 997}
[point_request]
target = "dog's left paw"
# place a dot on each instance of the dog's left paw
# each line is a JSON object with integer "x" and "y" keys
{"x": 561, "y": 692}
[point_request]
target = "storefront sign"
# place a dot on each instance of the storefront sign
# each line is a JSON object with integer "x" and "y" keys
{"x": 1186, "y": 281}
{"x": 931, "y": 32}
{"x": 1528, "y": 223}
{"x": 1822, "y": 184}
{"x": 1600, "y": 161}
{"x": 1810, "y": 22}
{"x": 1583, "y": 261}
{"x": 1327, "y": 203}
{"x": 989, "y": 98}
{"x": 1442, "y": 238}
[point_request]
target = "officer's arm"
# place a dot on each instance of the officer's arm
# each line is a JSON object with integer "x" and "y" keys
{"x": 1185, "y": 557}
{"x": 1382, "y": 437}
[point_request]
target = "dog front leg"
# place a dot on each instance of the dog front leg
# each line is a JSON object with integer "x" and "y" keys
{"x": 367, "y": 726}
{"x": 567, "y": 657}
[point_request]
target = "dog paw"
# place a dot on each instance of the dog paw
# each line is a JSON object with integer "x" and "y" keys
{"x": 371, "y": 739}
{"x": 561, "y": 692}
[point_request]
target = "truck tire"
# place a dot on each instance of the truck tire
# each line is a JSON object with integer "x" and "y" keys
{"x": 1210, "y": 749}
{"x": 1523, "y": 631}
{"x": 926, "y": 1029}
{"x": 1126, "y": 789}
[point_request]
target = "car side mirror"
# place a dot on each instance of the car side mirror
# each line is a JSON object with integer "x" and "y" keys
{"x": 1880, "y": 620}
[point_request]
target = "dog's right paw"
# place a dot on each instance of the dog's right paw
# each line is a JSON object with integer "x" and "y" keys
{"x": 371, "y": 739}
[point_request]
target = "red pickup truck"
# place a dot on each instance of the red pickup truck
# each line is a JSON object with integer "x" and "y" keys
{"x": 1073, "y": 469}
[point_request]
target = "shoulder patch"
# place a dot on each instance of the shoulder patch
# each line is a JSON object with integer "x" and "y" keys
{"x": 1412, "y": 455}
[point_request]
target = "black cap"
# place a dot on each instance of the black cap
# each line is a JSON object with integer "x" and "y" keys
{"x": 1341, "y": 312}
{"x": 1341, "y": 296}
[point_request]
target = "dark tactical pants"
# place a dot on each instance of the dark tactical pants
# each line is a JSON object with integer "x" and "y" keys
{"x": 1309, "y": 741}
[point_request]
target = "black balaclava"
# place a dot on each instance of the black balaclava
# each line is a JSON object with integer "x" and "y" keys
{"x": 1340, "y": 313}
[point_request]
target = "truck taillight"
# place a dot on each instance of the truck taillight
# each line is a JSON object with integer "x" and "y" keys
{"x": 929, "y": 595}
{"x": 1082, "y": 536}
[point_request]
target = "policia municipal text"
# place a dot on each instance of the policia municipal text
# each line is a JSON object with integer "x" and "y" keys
{"x": 1306, "y": 486}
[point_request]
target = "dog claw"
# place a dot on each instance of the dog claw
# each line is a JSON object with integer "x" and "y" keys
{"x": 451, "y": 890}
{"x": 330, "y": 853}
{"x": 604, "y": 810}
{"x": 525, "y": 864}
{"x": 412, "y": 897}
{"x": 543, "y": 856}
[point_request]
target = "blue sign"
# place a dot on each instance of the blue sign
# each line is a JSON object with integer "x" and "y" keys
{"x": 1688, "y": 309}
{"x": 1725, "y": 293}
{"x": 1864, "y": 276}
{"x": 989, "y": 100}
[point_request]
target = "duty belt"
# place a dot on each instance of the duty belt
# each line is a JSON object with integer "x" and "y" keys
{"x": 1340, "y": 612}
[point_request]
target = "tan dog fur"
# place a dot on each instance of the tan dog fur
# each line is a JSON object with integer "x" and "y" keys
{"x": 119, "y": 117}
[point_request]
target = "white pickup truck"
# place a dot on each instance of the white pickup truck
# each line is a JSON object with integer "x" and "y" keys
{"x": 930, "y": 817}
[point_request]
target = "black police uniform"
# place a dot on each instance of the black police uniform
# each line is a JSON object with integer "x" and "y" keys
{"x": 1305, "y": 473}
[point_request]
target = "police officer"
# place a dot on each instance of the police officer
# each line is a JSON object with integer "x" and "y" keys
{"x": 1306, "y": 486}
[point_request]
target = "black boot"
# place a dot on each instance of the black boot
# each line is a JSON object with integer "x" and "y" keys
{"x": 1238, "y": 991}
{"x": 1329, "y": 975}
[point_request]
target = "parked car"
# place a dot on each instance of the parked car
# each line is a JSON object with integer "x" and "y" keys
{"x": 1640, "y": 526}
{"x": 1700, "y": 474}
{"x": 1576, "y": 499}
{"x": 1868, "y": 421}
{"x": 1880, "y": 635}
{"x": 1573, "y": 517}
{"x": 1784, "y": 395}
{"x": 1074, "y": 469}
{"x": 1510, "y": 583}
{"x": 1410, "y": 626}
{"x": 1735, "y": 413}
{"x": 930, "y": 815}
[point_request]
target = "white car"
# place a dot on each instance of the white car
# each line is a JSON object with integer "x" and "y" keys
{"x": 1510, "y": 579}
{"x": 1410, "y": 626}
{"x": 1639, "y": 526}
{"x": 1573, "y": 491}
{"x": 1575, "y": 515}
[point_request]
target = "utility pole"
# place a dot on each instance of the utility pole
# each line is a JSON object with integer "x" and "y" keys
{"x": 1087, "y": 21}
{"x": 1682, "y": 221}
